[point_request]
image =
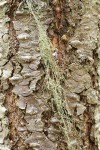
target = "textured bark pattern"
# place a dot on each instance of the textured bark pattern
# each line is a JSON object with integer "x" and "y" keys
{"x": 27, "y": 120}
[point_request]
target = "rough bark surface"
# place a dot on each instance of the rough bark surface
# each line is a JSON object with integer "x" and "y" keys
{"x": 28, "y": 116}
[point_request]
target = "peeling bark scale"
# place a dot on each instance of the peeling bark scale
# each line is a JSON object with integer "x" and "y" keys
{"x": 28, "y": 116}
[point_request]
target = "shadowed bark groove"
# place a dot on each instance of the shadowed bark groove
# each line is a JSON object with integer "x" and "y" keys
{"x": 14, "y": 113}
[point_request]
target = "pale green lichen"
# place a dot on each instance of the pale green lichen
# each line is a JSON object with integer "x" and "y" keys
{"x": 54, "y": 76}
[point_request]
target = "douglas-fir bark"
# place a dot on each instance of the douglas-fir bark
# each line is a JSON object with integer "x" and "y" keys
{"x": 29, "y": 119}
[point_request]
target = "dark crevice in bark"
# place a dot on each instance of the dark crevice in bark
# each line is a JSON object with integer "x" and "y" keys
{"x": 95, "y": 75}
{"x": 88, "y": 122}
{"x": 59, "y": 38}
{"x": 14, "y": 113}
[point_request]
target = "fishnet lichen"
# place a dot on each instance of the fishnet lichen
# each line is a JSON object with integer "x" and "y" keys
{"x": 54, "y": 76}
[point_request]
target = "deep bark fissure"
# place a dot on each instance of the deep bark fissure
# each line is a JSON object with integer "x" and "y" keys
{"x": 59, "y": 39}
{"x": 14, "y": 113}
{"x": 88, "y": 124}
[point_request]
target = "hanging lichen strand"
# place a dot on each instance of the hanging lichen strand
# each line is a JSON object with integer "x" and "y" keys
{"x": 54, "y": 77}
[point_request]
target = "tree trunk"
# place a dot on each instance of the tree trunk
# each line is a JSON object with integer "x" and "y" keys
{"x": 49, "y": 75}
